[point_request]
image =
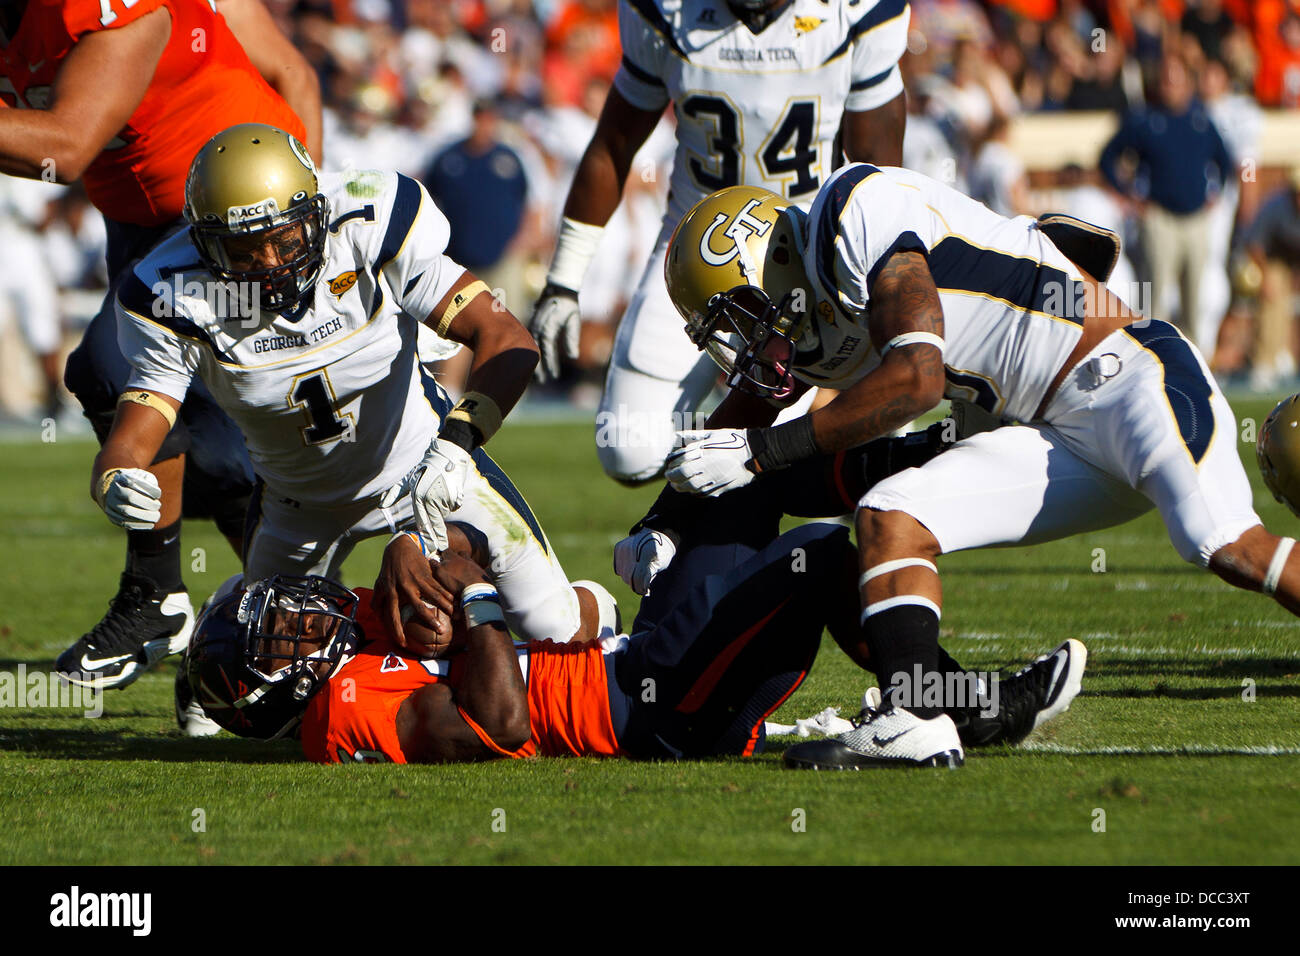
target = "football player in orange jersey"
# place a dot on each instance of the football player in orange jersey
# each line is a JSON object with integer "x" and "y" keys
{"x": 736, "y": 629}
{"x": 122, "y": 95}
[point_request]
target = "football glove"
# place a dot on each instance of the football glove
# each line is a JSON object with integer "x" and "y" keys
{"x": 710, "y": 462}
{"x": 640, "y": 556}
{"x": 438, "y": 488}
{"x": 130, "y": 497}
{"x": 555, "y": 322}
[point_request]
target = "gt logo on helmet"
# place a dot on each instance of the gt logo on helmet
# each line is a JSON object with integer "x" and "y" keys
{"x": 741, "y": 228}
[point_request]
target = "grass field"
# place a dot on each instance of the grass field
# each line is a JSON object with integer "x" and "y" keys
{"x": 1161, "y": 740}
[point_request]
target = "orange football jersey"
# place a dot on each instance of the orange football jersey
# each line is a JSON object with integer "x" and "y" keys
{"x": 354, "y": 718}
{"x": 203, "y": 83}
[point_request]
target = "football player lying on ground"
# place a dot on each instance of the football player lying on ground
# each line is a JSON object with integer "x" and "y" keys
{"x": 897, "y": 291}
{"x": 296, "y": 300}
{"x": 737, "y": 638}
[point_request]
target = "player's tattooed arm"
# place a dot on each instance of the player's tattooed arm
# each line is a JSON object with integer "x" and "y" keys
{"x": 910, "y": 378}
{"x": 876, "y": 136}
{"x": 434, "y": 723}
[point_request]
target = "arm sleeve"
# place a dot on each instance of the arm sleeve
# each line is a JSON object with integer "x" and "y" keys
{"x": 880, "y": 39}
{"x": 640, "y": 75}
{"x": 413, "y": 253}
{"x": 865, "y": 219}
{"x": 161, "y": 359}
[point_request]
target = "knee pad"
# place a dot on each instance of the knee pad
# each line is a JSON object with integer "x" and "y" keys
{"x": 632, "y": 465}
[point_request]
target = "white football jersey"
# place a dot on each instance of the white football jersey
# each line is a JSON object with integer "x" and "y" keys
{"x": 332, "y": 403}
{"x": 1013, "y": 306}
{"x": 758, "y": 109}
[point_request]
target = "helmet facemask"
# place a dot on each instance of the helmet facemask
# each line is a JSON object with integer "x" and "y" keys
{"x": 298, "y": 630}
{"x": 259, "y": 655}
{"x": 751, "y": 339}
{"x": 279, "y": 254}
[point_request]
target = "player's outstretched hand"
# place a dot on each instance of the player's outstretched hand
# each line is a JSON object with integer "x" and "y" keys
{"x": 131, "y": 498}
{"x": 406, "y": 591}
{"x": 555, "y": 324}
{"x": 640, "y": 556}
{"x": 710, "y": 461}
{"x": 439, "y": 488}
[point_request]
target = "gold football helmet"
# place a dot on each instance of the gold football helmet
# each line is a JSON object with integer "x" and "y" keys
{"x": 257, "y": 214}
{"x": 1278, "y": 449}
{"x": 735, "y": 273}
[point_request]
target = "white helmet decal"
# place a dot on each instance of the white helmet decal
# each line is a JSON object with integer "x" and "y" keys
{"x": 741, "y": 228}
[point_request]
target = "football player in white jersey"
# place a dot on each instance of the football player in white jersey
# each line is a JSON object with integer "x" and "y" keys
{"x": 296, "y": 299}
{"x": 760, "y": 89}
{"x": 903, "y": 291}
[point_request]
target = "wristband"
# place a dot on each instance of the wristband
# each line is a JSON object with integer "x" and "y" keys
{"x": 480, "y": 412}
{"x": 574, "y": 248}
{"x": 414, "y": 536}
{"x": 459, "y": 432}
{"x": 100, "y": 489}
{"x": 149, "y": 400}
{"x": 481, "y": 605}
{"x": 458, "y": 301}
{"x": 783, "y": 445}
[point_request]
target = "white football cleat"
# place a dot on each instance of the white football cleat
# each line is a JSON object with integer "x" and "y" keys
{"x": 190, "y": 717}
{"x": 888, "y": 737}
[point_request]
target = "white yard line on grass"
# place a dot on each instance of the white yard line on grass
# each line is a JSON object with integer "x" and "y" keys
{"x": 1206, "y": 750}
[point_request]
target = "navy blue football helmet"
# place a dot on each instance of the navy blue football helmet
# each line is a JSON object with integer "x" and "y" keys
{"x": 259, "y": 653}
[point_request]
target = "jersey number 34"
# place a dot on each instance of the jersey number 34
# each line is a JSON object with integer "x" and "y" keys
{"x": 790, "y": 153}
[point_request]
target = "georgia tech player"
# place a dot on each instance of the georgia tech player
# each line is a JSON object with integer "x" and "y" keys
{"x": 760, "y": 89}
{"x": 121, "y": 94}
{"x": 322, "y": 376}
{"x": 737, "y": 639}
{"x": 897, "y": 291}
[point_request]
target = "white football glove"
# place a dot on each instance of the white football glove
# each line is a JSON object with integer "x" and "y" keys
{"x": 555, "y": 321}
{"x": 642, "y": 555}
{"x": 132, "y": 499}
{"x": 438, "y": 488}
{"x": 710, "y": 462}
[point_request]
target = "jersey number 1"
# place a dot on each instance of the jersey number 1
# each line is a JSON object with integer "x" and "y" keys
{"x": 315, "y": 395}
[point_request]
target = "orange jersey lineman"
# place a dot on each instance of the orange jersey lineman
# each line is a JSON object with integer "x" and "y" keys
{"x": 355, "y": 717}
{"x": 736, "y": 641}
{"x": 204, "y": 83}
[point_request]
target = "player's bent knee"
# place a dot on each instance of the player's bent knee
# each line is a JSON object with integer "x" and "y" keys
{"x": 894, "y": 533}
{"x": 631, "y": 466}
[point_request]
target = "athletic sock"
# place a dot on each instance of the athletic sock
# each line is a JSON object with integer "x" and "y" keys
{"x": 156, "y": 556}
{"x": 947, "y": 665}
{"x": 900, "y": 638}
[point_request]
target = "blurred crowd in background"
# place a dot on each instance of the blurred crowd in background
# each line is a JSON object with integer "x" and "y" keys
{"x": 491, "y": 103}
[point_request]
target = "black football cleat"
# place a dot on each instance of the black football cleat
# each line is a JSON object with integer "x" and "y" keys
{"x": 142, "y": 626}
{"x": 889, "y": 737}
{"x": 1027, "y": 699}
